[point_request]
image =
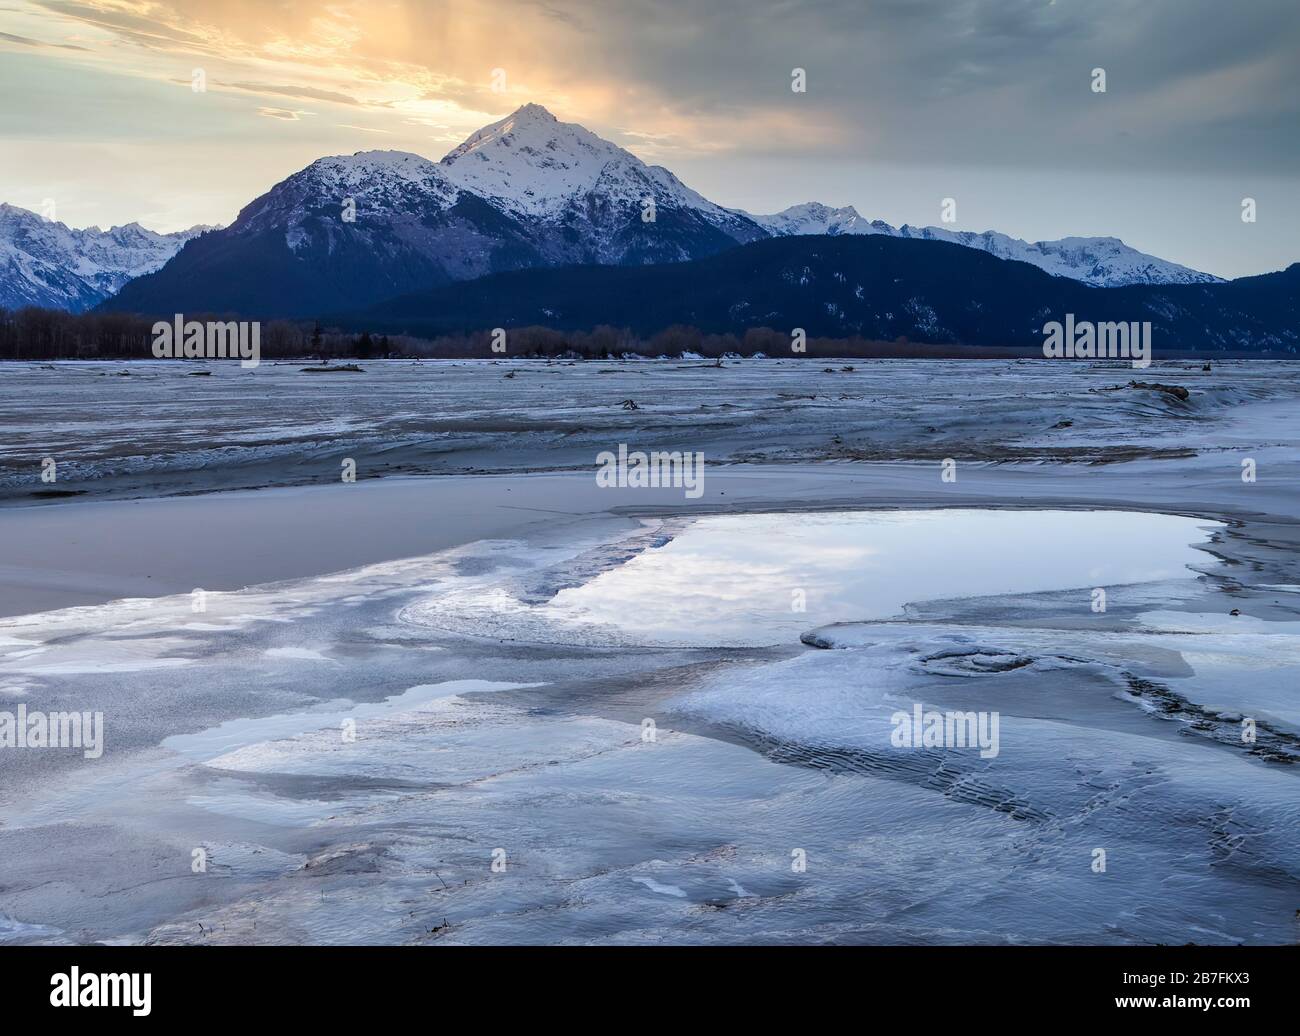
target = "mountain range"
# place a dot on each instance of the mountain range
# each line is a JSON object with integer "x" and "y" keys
{"x": 526, "y": 192}
{"x": 46, "y": 263}
{"x": 874, "y": 287}
{"x": 1100, "y": 261}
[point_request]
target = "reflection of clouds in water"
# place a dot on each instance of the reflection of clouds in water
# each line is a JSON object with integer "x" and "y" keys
{"x": 731, "y": 579}
{"x": 665, "y": 588}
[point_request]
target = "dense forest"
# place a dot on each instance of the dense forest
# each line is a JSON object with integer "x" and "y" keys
{"x": 32, "y": 333}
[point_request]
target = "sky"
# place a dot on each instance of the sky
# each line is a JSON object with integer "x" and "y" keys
{"x": 989, "y": 102}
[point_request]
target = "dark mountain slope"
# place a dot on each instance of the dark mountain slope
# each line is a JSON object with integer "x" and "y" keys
{"x": 873, "y": 286}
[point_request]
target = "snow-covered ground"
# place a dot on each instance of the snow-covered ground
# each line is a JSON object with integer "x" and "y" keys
{"x": 144, "y": 429}
{"x": 516, "y": 707}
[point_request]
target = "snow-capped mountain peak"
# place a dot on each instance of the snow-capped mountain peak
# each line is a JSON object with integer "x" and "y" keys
{"x": 359, "y": 170}
{"x": 815, "y": 218}
{"x": 365, "y": 183}
{"x": 534, "y": 165}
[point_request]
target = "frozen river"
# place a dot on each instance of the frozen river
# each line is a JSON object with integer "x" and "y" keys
{"x": 147, "y": 428}
{"x": 514, "y": 707}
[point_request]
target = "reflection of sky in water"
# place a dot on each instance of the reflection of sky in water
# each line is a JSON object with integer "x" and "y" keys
{"x": 734, "y": 578}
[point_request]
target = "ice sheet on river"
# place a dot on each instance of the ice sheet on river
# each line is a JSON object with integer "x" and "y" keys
{"x": 1117, "y": 732}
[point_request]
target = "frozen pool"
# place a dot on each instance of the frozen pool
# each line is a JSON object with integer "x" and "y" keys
{"x": 464, "y": 748}
{"x": 761, "y": 579}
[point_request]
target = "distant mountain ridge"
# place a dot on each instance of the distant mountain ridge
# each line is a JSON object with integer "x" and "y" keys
{"x": 1100, "y": 261}
{"x": 526, "y": 191}
{"x": 841, "y": 286}
{"x": 47, "y": 263}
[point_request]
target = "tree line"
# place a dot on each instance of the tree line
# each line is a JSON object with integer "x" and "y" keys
{"x": 34, "y": 333}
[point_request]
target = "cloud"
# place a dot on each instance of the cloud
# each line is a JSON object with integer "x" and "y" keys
{"x": 981, "y": 82}
{"x": 303, "y": 92}
{"x": 152, "y": 29}
{"x": 27, "y": 41}
{"x": 288, "y": 114}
